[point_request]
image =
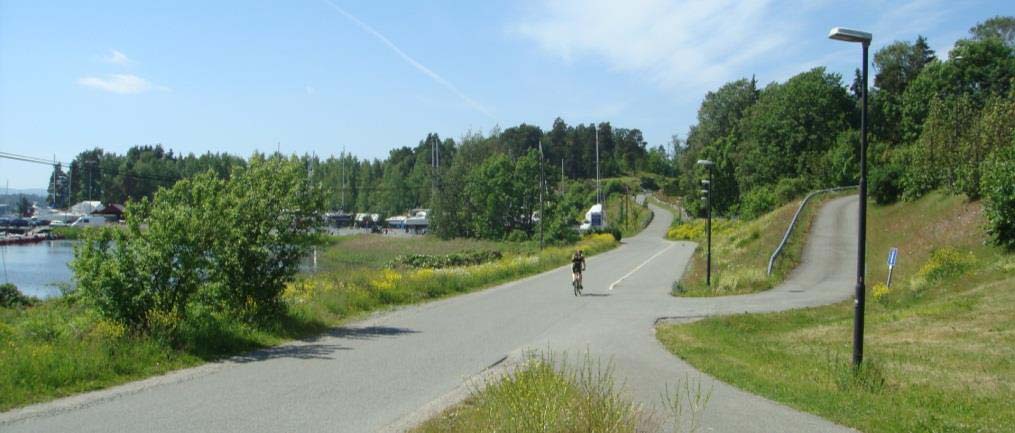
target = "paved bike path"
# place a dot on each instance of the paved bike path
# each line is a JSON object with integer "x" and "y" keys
{"x": 370, "y": 375}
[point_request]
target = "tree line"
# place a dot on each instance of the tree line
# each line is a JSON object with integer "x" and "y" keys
{"x": 405, "y": 179}
{"x": 934, "y": 123}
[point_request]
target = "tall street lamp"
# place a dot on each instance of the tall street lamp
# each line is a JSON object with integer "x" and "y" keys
{"x": 864, "y": 39}
{"x": 708, "y": 266}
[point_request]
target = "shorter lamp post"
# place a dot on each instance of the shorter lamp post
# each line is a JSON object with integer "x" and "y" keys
{"x": 708, "y": 192}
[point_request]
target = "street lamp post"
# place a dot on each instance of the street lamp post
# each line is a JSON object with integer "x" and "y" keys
{"x": 708, "y": 264}
{"x": 864, "y": 38}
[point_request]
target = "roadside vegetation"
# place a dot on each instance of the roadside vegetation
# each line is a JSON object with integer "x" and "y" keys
{"x": 939, "y": 342}
{"x": 741, "y": 249}
{"x": 556, "y": 396}
{"x": 210, "y": 268}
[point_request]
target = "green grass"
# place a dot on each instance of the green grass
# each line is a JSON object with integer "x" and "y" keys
{"x": 741, "y": 249}
{"x": 68, "y": 232}
{"x": 939, "y": 344}
{"x": 60, "y": 347}
{"x": 545, "y": 396}
{"x": 627, "y": 215}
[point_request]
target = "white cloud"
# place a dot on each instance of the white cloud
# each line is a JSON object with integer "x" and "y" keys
{"x": 696, "y": 45}
{"x": 124, "y": 84}
{"x": 310, "y": 90}
{"x": 676, "y": 44}
{"x": 117, "y": 57}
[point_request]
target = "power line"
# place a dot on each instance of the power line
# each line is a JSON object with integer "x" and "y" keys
{"x": 94, "y": 163}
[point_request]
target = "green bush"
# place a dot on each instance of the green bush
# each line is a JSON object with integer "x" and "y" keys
{"x": 919, "y": 176}
{"x": 757, "y": 202}
{"x": 617, "y": 235}
{"x": 884, "y": 183}
{"x": 611, "y": 230}
{"x": 998, "y": 189}
{"x": 613, "y": 186}
{"x": 649, "y": 183}
{"x": 790, "y": 188}
{"x": 231, "y": 245}
{"x": 672, "y": 188}
{"x": 10, "y": 297}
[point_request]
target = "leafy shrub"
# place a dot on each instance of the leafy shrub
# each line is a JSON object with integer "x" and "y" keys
{"x": 998, "y": 189}
{"x": 10, "y": 297}
{"x": 611, "y": 230}
{"x": 943, "y": 263}
{"x": 687, "y": 231}
{"x": 649, "y": 183}
{"x": 757, "y": 202}
{"x": 789, "y": 188}
{"x": 615, "y": 231}
{"x": 919, "y": 177}
{"x": 880, "y": 292}
{"x": 884, "y": 183}
{"x": 613, "y": 186}
{"x": 236, "y": 243}
{"x": 671, "y": 188}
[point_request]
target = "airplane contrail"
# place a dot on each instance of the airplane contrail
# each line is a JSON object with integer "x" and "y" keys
{"x": 408, "y": 59}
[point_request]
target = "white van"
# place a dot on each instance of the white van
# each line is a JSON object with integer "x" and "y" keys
{"x": 593, "y": 218}
{"x": 89, "y": 221}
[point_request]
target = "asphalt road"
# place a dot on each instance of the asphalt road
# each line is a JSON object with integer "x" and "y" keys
{"x": 374, "y": 375}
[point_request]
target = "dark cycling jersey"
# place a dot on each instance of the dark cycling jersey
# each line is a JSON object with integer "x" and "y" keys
{"x": 577, "y": 263}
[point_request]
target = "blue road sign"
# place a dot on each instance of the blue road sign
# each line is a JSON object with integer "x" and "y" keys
{"x": 893, "y": 254}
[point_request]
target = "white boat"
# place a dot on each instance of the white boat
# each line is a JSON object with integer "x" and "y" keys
{"x": 418, "y": 219}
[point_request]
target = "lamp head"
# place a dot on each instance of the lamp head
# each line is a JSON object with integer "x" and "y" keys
{"x": 850, "y": 35}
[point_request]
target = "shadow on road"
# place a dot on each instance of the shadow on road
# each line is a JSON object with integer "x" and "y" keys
{"x": 595, "y": 295}
{"x": 368, "y": 332}
{"x": 295, "y": 351}
{"x": 312, "y": 349}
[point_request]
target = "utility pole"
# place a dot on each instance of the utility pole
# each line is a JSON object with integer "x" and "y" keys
{"x": 343, "y": 178}
{"x": 599, "y": 192}
{"x": 542, "y": 185}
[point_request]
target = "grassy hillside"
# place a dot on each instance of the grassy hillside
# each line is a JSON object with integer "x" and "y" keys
{"x": 741, "y": 249}
{"x": 940, "y": 343}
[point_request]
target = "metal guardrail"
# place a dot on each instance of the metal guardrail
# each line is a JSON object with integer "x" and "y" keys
{"x": 789, "y": 230}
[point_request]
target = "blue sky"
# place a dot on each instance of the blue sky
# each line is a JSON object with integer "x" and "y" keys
{"x": 317, "y": 75}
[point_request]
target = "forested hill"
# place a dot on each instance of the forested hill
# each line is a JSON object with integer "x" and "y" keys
{"x": 937, "y": 120}
{"x": 403, "y": 180}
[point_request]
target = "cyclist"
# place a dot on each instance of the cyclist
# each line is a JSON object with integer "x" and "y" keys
{"x": 577, "y": 266}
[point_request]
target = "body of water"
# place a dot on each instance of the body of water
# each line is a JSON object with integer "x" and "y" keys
{"x": 37, "y": 269}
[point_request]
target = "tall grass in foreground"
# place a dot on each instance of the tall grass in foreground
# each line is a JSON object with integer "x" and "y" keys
{"x": 552, "y": 395}
{"x": 544, "y": 398}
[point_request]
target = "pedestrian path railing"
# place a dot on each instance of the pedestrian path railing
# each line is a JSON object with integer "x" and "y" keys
{"x": 792, "y": 224}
